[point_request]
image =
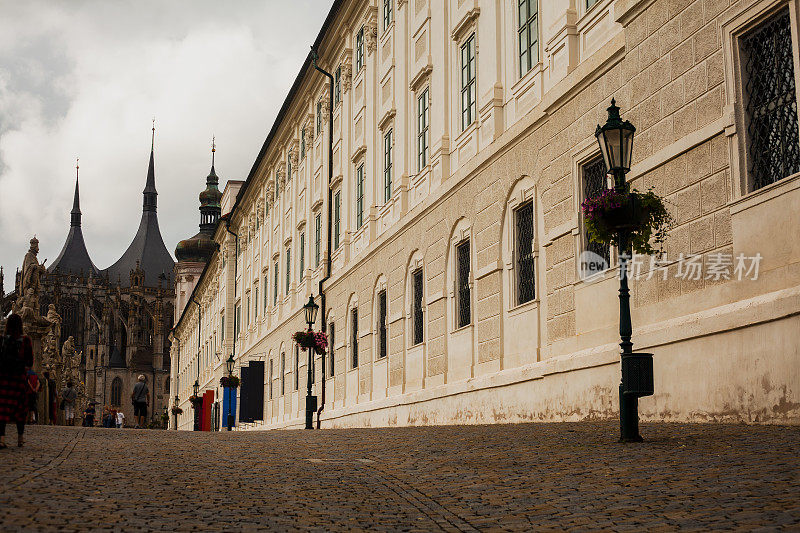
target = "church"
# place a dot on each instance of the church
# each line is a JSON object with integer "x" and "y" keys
{"x": 119, "y": 317}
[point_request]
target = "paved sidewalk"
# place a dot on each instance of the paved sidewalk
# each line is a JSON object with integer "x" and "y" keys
{"x": 466, "y": 478}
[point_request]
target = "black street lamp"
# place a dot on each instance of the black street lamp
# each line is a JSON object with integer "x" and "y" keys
{"x": 615, "y": 138}
{"x": 311, "y": 309}
{"x": 229, "y": 364}
{"x": 177, "y": 401}
{"x": 196, "y": 388}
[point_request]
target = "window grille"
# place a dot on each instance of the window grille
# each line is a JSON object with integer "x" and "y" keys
{"x": 422, "y": 130}
{"x": 526, "y": 284}
{"x": 388, "y": 14}
{"x": 382, "y": 334}
{"x": 296, "y": 366}
{"x": 288, "y": 270}
{"x": 417, "y": 307}
{"x": 331, "y": 344}
{"x": 337, "y": 86}
{"x": 354, "y": 333}
{"x": 283, "y": 373}
{"x": 594, "y": 183}
{"x": 468, "y": 82}
{"x": 275, "y": 287}
{"x": 337, "y": 218}
{"x": 359, "y": 49}
{"x": 302, "y": 255}
{"x": 462, "y": 283}
{"x": 387, "y": 166}
{"x": 317, "y": 238}
{"x": 360, "y": 196}
{"x": 771, "y": 109}
{"x": 528, "y": 32}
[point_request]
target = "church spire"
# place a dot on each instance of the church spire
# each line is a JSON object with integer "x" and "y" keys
{"x": 75, "y": 214}
{"x": 149, "y": 193}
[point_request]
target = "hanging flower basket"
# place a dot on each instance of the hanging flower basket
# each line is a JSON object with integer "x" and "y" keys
{"x": 196, "y": 401}
{"x": 176, "y": 410}
{"x": 642, "y": 216}
{"x": 315, "y": 340}
{"x": 231, "y": 382}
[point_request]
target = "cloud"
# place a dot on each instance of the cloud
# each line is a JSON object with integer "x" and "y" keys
{"x": 84, "y": 79}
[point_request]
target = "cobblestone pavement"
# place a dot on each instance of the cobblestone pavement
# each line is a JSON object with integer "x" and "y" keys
{"x": 512, "y": 477}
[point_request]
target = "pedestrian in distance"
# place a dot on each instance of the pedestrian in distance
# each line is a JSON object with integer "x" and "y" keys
{"x": 52, "y": 400}
{"x": 16, "y": 357}
{"x": 68, "y": 397}
{"x": 34, "y": 386}
{"x": 140, "y": 397}
{"x": 120, "y": 418}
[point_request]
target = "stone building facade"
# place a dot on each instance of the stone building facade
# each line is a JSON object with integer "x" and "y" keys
{"x": 464, "y": 145}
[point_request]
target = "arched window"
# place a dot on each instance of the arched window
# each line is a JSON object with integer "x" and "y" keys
{"x": 116, "y": 392}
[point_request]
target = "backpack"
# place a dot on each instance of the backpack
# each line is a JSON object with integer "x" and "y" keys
{"x": 10, "y": 360}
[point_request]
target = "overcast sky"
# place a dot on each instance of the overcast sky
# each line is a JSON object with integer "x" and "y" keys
{"x": 85, "y": 78}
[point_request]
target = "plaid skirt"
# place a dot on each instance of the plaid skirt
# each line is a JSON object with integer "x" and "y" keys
{"x": 13, "y": 398}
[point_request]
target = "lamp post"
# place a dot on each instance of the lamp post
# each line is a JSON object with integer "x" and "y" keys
{"x": 230, "y": 363}
{"x": 196, "y": 389}
{"x": 177, "y": 400}
{"x": 615, "y": 138}
{"x": 311, "y": 310}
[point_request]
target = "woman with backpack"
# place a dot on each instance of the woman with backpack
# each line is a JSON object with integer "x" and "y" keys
{"x": 16, "y": 356}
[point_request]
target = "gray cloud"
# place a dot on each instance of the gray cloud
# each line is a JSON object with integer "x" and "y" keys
{"x": 83, "y": 79}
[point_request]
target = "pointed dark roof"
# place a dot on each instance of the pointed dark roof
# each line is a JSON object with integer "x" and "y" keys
{"x": 147, "y": 247}
{"x": 74, "y": 258}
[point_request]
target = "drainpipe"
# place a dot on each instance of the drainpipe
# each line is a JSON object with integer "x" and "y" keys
{"x": 235, "y": 274}
{"x": 314, "y": 57}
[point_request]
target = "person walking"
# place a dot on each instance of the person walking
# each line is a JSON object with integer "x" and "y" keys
{"x": 16, "y": 356}
{"x": 120, "y": 418}
{"x": 34, "y": 386}
{"x": 52, "y": 400}
{"x": 68, "y": 397}
{"x": 140, "y": 397}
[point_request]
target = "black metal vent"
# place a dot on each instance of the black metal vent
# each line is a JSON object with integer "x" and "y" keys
{"x": 594, "y": 183}
{"x": 462, "y": 283}
{"x": 773, "y": 147}
{"x": 526, "y": 283}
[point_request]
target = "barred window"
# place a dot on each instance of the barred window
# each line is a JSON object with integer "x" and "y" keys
{"x": 302, "y": 255}
{"x": 422, "y": 130}
{"x": 526, "y": 284}
{"x": 387, "y": 166}
{"x": 275, "y": 287}
{"x": 359, "y": 49}
{"x": 337, "y": 86}
{"x": 388, "y": 14}
{"x": 594, "y": 183}
{"x": 771, "y": 102}
{"x": 528, "y": 32}
{"x": 288, "y": 270}
{"x": 462, "y": 283}
{"x": 468, "y": 82}
{"x": 331, "y": 344}
{"x": 382, "y": 333}
{"x": 354, "y": 333}
{"x": 283, "y": 373}
{"x": 359, "y": 196}
{"x": 416, "y": 311}
{"x": 337, "y": 218}
{"x": 317, "y": 238}
{"x": 296, "y": 366}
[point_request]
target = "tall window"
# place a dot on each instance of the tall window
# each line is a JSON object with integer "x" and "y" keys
{"x": 317, "y": 238}
{"x": 462, "y": 283}
{"x": 288, "y": 270}
{"x": 337, "y": 218}
{"x": 422, "y": 130}
{"x": 271, "y": 377}
{"x": 387, "y": 166}
{"x": 275, "y": 288}
{"x": 360, "y": 196}
{"x": 416, "y": 311}
{"x": 594, "y": 183}
{"x": 302, "y": 255}
{"x": 296, "y": 366}
{"x": 302, "y": 143}
{"x": 319, "y": 116}
{"x": 771, "y": 102}
{"x": 468, "y": 82}
{"x": 359, "y": 49}
{"x": 116, "y": 392}
{"x": 382, "y": 333}
{"x": 388, "y": 14}
{"x": 337, "y": 86}
{"x": 283, "y": 373}
{"x": 528, "y": 32}
{"x": 526, "y": 288}
{"x": 331, "y": 344}
{"x": 354, "y": 333}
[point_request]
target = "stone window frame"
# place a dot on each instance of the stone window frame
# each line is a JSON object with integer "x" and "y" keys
{"x": 462, "y": 232}
{"x": 733, "y": 28}
{"x": 523, "y": 191}
{"x": 381, "y": 285}
{"x": 415, "y": 263}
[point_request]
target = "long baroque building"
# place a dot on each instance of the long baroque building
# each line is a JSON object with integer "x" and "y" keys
{"x": 463, "y": 146}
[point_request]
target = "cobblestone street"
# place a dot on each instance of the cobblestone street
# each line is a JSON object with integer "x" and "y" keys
{"x": 515, "y": 477}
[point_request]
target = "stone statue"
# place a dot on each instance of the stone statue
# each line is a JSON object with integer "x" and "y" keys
{"x": 31, "y": 269}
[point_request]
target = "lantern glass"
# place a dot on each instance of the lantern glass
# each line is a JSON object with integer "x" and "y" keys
{"x": 311, "y": 310}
